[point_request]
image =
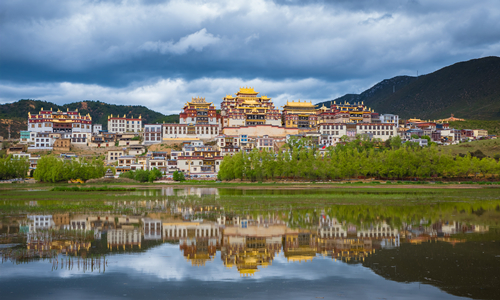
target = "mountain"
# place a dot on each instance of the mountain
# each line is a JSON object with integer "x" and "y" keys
{"x": 469, "y": 90}
{"x": 16, "y": 113}
{"x": 375, "y": 94}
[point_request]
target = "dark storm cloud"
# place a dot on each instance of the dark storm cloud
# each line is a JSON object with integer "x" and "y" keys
{"x": 127, "y": 51}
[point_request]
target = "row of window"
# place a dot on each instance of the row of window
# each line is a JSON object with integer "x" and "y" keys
{"x": 152, "y": 129}
{"x": 50, "y": 125}
{"x": 377, "y": 127}
{"x": 123, "y": 121}
{"x": 381, "y": 132}
{"x": 333, "y": 126}
{"x": 199, "y": 130}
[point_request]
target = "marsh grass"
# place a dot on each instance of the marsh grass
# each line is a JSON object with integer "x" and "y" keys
{"x": 91, "y": 189}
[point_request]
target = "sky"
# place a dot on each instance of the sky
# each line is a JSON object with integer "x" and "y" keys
{"x": 161, "y": 53}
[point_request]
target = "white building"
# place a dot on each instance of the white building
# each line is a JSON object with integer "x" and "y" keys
{"x": 333, "y": 130}
{"x": 123, "y": 124}
{"x": 173, "y": 131}
{"x": 389, "y": 118}
{"x": 41, "y": 141}
{"x": 420, "y": 142}
{"x": 382, "y": 131}
{"x": 152, "y": 134}
{"x": 96, "y": 128}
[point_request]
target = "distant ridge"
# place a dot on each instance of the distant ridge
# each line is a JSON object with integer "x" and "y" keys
{"x": 16, "y": 113}
{"x": 468, "y": 90}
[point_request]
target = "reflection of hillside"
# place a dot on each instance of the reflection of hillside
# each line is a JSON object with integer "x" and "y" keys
{"x": 466, "y": 269}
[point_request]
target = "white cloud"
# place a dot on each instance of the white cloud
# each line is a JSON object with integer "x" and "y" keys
{"x": 196, "y": 41}
{"x": 169, "y": 95}
{"x": 329, "y": 48}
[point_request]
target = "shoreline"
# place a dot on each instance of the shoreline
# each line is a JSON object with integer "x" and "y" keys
{"x": 256, "y": 186}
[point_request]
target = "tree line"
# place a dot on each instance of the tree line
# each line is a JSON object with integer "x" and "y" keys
{"x": 359, "y": 158}
{"x": 143, "y": 175}
{"x": 13, "y": 167}
{"x": 53, "y": 169}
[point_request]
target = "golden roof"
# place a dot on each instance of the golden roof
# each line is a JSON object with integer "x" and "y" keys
{"x": 247, "y": 90}
{"x": 251, "y": 102}
{"x": 199, "y": 101}
{"x": 301, "y": 104}
{"x": 265, "y": 98}
{"x": 229, "y": 97}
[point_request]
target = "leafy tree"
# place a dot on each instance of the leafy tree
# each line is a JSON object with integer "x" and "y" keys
{"x": 53, "y": 169}
{"x": 178, "y": 176}
{"x": 11, "y": 167}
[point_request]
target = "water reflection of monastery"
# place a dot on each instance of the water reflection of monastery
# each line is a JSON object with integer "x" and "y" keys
{"x": 249, "y": 244}
{"x": 199, "y": 241}
{"x": 246, "y": 244}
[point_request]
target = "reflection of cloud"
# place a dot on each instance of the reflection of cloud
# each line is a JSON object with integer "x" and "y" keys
{"x": 167, "y": 263}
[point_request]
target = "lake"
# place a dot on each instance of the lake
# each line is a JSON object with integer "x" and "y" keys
{"x": 211, "y": 243}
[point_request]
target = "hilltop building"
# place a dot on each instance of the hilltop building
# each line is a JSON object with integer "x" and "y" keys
{"x": 301, "y": 115}
{"x": 247, "y": 109}
{"x": 123, "y": 124}
{"x": 199, "y": 112}
{"x": 347, "y": 113}
{"x": 199, "y": 119}
{"x": 49, "y": 125}
{"x": 59, "y": 122}
{"x": 96, "y": 129}
{"x": 152, "y": 134}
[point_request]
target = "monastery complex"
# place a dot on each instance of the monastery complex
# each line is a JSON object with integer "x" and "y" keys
{"x": 205, "y": 133}
{"x": 251, "y": 115}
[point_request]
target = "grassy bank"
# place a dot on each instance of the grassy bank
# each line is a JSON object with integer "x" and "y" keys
{"x": 255, "y": 185}
{"x": 488, "y": 147}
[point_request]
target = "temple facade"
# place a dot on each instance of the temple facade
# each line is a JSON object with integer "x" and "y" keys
{"x": 246, "y": 108}
{"x": 59, "y": 122}
{"x": 199, "y": 112}
{"x": 65, "y": 125}
{"x": 302, "y": 115}
{"x": 198, "y": 119}
{"x": 347, "y": 113}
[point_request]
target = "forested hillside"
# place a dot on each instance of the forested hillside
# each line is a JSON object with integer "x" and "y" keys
{"x": 16, "y": 113}
{"x": 469, "y": 90}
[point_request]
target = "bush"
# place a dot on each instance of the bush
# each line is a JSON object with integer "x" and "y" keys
{"x": 143, "y": 175}
{"x": 178, "y": 176}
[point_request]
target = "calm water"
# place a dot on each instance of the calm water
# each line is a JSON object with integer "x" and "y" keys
{"x": 209, "y": 243}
